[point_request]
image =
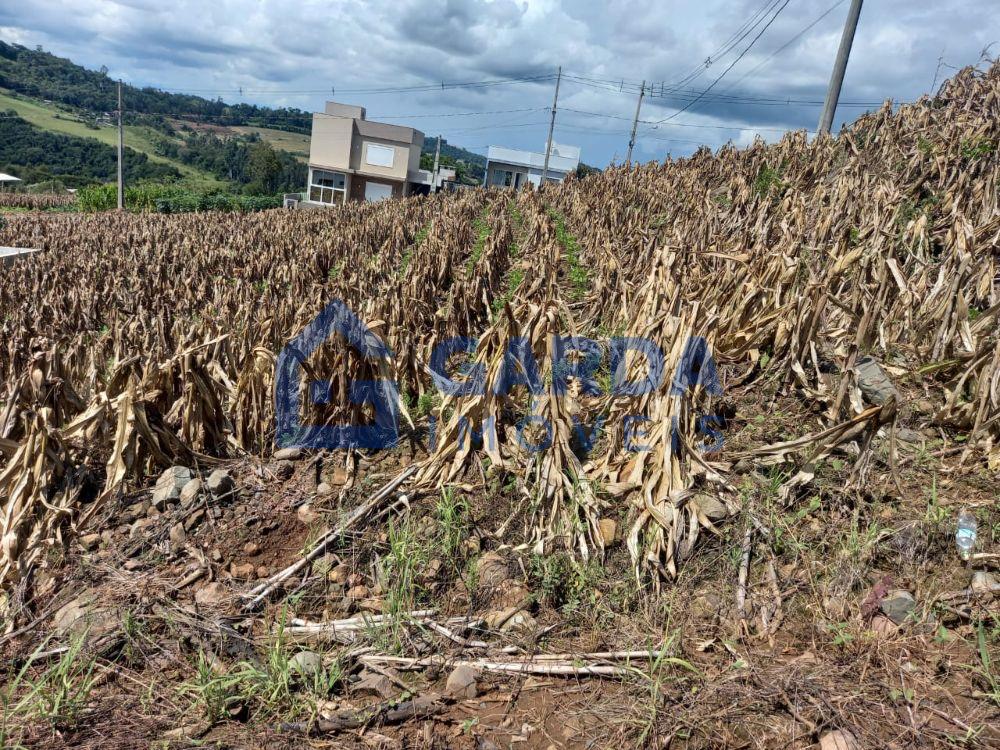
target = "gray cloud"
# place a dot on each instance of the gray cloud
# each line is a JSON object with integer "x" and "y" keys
{"x": 290, "y": 55}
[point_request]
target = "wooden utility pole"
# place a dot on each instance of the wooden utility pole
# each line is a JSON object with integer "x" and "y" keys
{"x": 839, "y": 68}
{"x": 635, "y": 123}
{"x": 437, "y": 161}
{"x": 552, "y": 127}
{"x": 121, "y": 152}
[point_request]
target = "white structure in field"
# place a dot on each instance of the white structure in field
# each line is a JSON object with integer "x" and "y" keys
{"x": 7, "y": 179}
{"x": 508, "y": 167}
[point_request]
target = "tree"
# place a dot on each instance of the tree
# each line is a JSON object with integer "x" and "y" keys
{"x": 264, "y": 169}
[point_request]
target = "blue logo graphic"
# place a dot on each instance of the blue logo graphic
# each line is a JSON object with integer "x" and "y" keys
{"x": 575, "y": 357}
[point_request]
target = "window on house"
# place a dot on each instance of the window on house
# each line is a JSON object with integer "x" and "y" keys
{"x": 327, "y": 187}
{"x": 502, "y": 178}
{"x": 380, "y": 156}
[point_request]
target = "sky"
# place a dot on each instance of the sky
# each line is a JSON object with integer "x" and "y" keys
{"x": 774, "y": 58}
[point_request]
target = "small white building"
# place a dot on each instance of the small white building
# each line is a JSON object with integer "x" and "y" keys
{"x": 8, "y": 179}
{"x": 508, "y": 167}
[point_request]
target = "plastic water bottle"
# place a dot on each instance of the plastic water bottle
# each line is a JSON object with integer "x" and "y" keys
{"x": 965, "y": 534}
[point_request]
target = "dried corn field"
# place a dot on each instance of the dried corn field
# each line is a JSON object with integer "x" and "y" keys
{"x": 35, "y": 201}
{"x": 138, "y": 342}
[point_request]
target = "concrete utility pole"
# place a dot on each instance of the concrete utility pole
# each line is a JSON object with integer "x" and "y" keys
{"x": 839, "y": 68}
{"x": 552, "y": 127}
{"x": 121, "y": 153}
{"x": 635, "y": 123}
{"x": 437, "y": 160}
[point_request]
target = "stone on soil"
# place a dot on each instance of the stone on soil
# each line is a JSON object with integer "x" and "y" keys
{"x": 306, "y": 664}
{"x": 491, "y": 570}
{"x": 462, "y": 682}
{"x": 168, "y": 487}
{"x": 983, "y": 582}
{"x": 898, "y": 606}
{"x": 874, "y": 383}
{"x": 609, "y": 531}
{"x": 840, "y": 739}
{"x": 211, "y": 594}
{"x": 288, "y": 454}
{"x": 190, "y": 493}
{"x": 221, "y": 485}
{"x": 177, "y": 536}
{"x": 306, "y": 514}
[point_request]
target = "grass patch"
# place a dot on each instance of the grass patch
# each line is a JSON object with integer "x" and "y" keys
{"x": 578, "y": 276}
{"x": 481, "y": 226}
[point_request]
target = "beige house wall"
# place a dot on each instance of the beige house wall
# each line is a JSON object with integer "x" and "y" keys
{"x": 399, "y": 163}
{"x": 330, "y": 145}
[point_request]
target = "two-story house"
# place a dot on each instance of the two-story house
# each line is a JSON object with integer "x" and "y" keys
{"x": 354, "y": 159}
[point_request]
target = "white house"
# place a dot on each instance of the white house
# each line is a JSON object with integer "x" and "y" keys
{"x": 508, "y": 167}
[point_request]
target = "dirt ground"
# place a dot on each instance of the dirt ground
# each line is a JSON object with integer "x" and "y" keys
{"x": 140, "y": 633}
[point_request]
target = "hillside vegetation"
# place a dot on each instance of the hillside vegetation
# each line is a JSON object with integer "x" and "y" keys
{"x": 57, "y": 95}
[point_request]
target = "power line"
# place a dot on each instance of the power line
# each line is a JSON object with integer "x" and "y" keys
{"x": 442, "y": 86}
{"x": 733, "y": 40}
{"x": 692, "y": 94}
{"x": 732, "y": 64}
{"x": 677, "y": 124}
{"x": 787, "y": 44}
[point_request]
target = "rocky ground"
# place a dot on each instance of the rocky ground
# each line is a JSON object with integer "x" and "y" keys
{"x": 847, "y": 622}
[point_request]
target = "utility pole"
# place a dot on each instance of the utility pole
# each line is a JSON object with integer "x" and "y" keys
{"x": 121, "y": 152}
{"x": 635, "y": 123}
{"x": 839, "y": 68}
{"x": 437, "y": 160}
{"x": 552, "y": 126}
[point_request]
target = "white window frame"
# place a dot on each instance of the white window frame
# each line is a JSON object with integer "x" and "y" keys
{"x": 379, "y": 155}
{"x": 316, "y": 184}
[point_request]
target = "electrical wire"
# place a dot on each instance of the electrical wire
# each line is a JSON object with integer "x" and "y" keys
{"x": 678, "y": 124}
{"x": 731, "y": 43}
{"x": 787, "y": 44}
{"x": 442, "y": 86}
{"x": 732, "y": 64}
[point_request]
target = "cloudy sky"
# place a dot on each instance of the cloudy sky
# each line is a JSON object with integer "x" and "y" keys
{"x": 293, "y": 53}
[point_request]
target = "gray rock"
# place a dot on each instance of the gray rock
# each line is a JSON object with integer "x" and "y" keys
{"x": 168, "y": 487}
{"x": 284, "y": 469}
{"x": 83, "y": 615}
{"x": 194, "y": 519}
{"x": 374, "y": 683}
{"x": 983, "y": 582}
{"x": 288, "y": 454}
{"x": 909, "y": 436}
{"x": 190, "y": 493}
{"x": 90, "y": 541}
{"x": 177, "y": 537}
{"x": 713, "y": 508}
{"x": 875, "y": 384}
{"x": 221, "y": 485}
{"x": 323, "y": 490}
{"x": 306, "y": 664}
{"x": 140, "y": 526}
{"x": 491, "y": 570}
{"x": 462, "y": 682}
{"x": 898, "y": 606}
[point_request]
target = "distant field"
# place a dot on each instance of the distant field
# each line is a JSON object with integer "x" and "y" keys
{"x": 140, "y": 138}
{"x": 296, "y": 144}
